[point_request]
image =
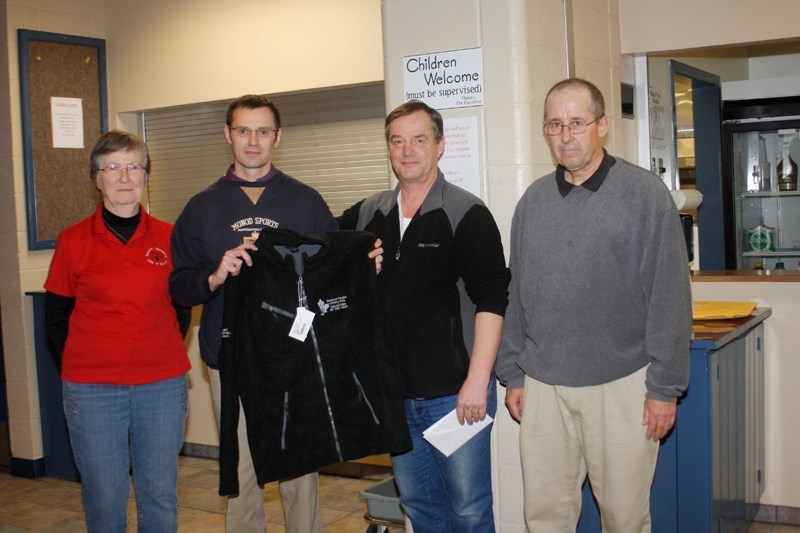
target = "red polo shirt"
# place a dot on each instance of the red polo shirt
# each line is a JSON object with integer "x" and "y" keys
{"x": 123, "y": 330}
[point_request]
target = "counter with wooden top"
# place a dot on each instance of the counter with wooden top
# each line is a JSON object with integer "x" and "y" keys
{"x": 781, "y": 292}
{"x": 715, "y": 333}
{"x": 747, "y": 275}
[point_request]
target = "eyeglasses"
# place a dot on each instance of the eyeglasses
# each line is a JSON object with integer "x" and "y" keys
{"x": 576, "y": 127}
{"x": 245, "y": 132}
{"x": 134, "y": 169}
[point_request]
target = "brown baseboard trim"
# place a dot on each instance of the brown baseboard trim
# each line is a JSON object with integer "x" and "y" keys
{"x": 346, "y": 469}
{"x": 356, "y": 470}
{"x": 778, "y": 514}
{"x": 200, "y": 450}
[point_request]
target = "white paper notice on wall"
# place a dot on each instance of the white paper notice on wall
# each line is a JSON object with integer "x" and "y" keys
{"x": 66, "y": 115}
{"x": 459, "y": 163}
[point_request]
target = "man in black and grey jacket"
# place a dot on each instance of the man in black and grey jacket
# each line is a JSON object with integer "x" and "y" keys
{"x": 444, "y": 282}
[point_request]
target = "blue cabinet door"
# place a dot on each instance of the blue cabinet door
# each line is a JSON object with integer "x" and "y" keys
{"x": 709, "y": 475}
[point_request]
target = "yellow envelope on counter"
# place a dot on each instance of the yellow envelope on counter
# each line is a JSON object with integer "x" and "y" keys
{"x": 710, "y": 310}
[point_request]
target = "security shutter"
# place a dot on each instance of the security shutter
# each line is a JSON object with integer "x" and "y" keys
{"x": 332, "y": 140}
{"x": 188, "y": 153}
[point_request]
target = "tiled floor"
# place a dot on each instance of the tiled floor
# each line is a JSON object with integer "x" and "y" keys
{"x": 53, "y": 505}
{"x": 765, "y": 528}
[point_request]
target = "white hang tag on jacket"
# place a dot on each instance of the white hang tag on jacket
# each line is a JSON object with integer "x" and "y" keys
{"x": 302, "y": 324}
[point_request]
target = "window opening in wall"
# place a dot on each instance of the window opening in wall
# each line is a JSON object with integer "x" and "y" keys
{"x": 332, "y": 140}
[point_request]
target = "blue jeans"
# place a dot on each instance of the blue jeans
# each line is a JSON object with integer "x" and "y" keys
{"x": 114, "y": 427}
{"x": 445, "y": 494}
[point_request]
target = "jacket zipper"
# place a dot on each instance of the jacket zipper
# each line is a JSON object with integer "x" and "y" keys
{"x": 363, "y": 395}
{"x": 278, "y": 310}
{"x": 302, "y": 300}
{"x": 285, "y": 419}
{"x": 325, "y": 394}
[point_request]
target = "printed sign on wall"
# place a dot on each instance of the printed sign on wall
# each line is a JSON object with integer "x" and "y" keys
{"x": 459, "y": 163}
{"x": 67, "y": 122}
{"x": 445, "y": 80}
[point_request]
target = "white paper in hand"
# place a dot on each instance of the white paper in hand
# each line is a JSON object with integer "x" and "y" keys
{"x": 447, "y": 435}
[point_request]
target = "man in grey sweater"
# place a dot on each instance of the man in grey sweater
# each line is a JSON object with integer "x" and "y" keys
{"x": 595, "y": 349}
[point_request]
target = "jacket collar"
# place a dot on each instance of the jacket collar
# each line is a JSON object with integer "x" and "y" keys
{"x": 433, "y": 200}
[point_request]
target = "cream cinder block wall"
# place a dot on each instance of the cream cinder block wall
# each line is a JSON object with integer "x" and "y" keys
{"x": 523, "y": 55}
{"x": 23, "y": 270}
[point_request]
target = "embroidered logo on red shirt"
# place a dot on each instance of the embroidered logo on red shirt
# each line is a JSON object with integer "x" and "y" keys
{"x": 156, "y": 256}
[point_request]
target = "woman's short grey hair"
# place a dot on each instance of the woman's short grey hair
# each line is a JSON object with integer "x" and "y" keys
{"x": 117, "y": 141}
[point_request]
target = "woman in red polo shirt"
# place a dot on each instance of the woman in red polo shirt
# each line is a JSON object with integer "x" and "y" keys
{"x": 123, "y": 361}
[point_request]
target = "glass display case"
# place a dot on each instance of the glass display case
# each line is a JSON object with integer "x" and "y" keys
{"x": 762, "y": 158}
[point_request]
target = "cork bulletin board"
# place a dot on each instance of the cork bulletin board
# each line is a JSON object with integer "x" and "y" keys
{"x": 59, "y": 70}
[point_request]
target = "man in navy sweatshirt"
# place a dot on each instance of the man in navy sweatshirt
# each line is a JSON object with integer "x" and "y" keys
{"x": 210, "y": 242}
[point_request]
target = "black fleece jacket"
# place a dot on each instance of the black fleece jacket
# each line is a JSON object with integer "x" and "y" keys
{"x": 330, "y": 398}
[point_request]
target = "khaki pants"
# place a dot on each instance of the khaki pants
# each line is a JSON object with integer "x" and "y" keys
{"x": 245, "y": 513}
{"x": 567, "y": 432}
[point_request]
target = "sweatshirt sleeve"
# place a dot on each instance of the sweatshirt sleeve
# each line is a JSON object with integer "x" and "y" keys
{"x": 512, "y": 343}
{"x": 188, "y": 282}
{"x": 667, "y": 287}
{"x": 349, "y": 218}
